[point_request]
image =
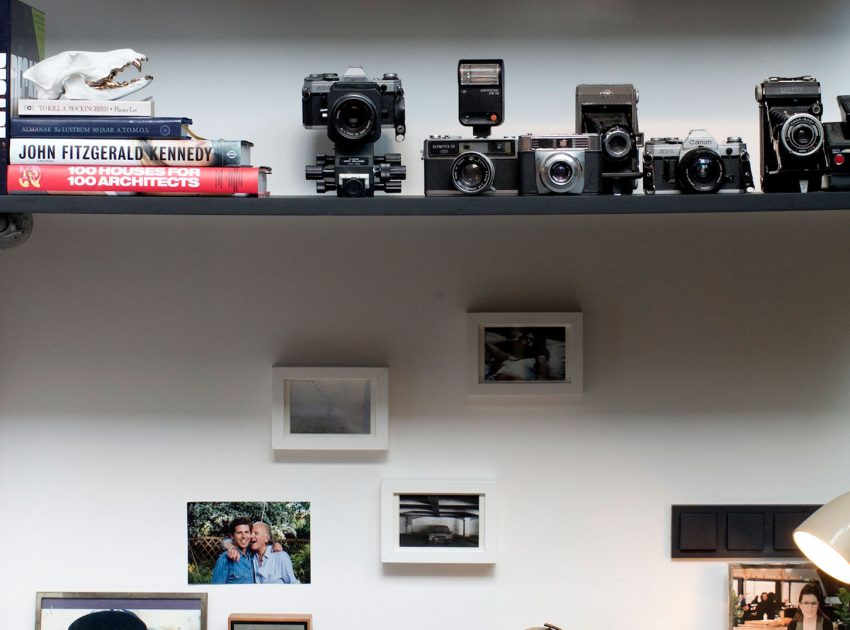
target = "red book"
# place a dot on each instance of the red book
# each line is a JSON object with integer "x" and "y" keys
{"x": 57, "y": 179}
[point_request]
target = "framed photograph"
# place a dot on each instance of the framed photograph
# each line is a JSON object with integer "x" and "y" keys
{"x": 767, "y": 595}
{"x": 330, "y": 408}
{"x": 524, "y": 353}
{"x": 269, "y": 622}
{"x": 438, "y": 522}
{"x": 121, "y": 611}
{"x": 248, "y": 542}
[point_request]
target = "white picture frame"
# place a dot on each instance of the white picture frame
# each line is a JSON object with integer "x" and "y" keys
{"x": 501, "y": 361}
{"x": 467, "y": 508}
{"x": 330, "y": 408}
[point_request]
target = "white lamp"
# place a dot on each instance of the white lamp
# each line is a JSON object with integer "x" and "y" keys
{"x": 824, "y": 538}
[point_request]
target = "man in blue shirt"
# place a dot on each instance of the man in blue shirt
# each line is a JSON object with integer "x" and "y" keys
{"x": 270, "y": 567}
{"x": 240, "y": 570}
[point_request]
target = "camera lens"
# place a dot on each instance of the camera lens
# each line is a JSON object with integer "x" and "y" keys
{"x": 354, "y": 117}
{"x": 701, "y": 171}
{"x": 802, "y": 135}
{"x": 353, "y": 187}
{"x": 617, "y": 143}
{"x": 561, "y": 172}
{"x": 472, "y": 173}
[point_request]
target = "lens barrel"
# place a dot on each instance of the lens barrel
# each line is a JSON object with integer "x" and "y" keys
{"x": 354, "y": 117}
{"x": 561, "y": 172}
{"x": 472, "y": 173}
{"x": 802, "y": 135}
{"x": 700, "y": 171}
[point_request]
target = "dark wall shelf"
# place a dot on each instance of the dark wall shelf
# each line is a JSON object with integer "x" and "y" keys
{"x": 424, "y": 206}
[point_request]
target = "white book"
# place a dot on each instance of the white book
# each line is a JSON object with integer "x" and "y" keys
{"x": 36, "y": 107}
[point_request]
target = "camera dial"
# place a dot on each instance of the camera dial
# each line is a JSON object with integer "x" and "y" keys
{"x": 472, "y": 173}
{"x": 802, "y": 135}
{"x": 700, "y": 171}
{"x": 560, "y": 172}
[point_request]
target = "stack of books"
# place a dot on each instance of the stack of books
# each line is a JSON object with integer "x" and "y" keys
{"x": 120, "y": 147}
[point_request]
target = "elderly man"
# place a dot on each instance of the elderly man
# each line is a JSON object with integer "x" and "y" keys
{"x": 270, "y": 567}
{"x": 236, "y": 566}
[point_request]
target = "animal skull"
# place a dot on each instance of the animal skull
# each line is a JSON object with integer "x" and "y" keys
{"x": 81, "y": 75}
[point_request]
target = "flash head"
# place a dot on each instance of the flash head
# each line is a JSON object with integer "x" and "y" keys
{"x": 481, "y": 94}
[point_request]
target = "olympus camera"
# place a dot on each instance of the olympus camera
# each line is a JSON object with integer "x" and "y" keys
{"x": 697, "y": 164}
{"x": 568, "y": 164}
{"x": 837, "y": 138}
{"x": 479, "y": 165}
{"x": 455, "y": 166}
{"x": 611, "y": 111}
{"x": 353, "y": 108}
{"x": 793, "y": 157}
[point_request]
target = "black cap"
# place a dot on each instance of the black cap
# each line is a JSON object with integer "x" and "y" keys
{"x": 109, "y": 620}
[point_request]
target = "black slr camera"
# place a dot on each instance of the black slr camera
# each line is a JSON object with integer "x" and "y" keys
{"x": 353, "y": 109}
{"x": 611, "y": 111}
{"x": 793, "y": 158}
{"x": 697, "y": 164}
{"x": 479, "y": 165}
{"x": 838, "y": 148}
{"x": 560, "y": 164}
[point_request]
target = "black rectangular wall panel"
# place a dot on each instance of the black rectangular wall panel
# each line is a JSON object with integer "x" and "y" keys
{"x": 736, "y": 531}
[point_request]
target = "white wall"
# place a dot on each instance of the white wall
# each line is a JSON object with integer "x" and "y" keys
{"x": 136, "y": 352}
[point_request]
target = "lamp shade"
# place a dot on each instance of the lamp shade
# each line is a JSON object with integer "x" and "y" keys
{"x": 824, "y": 538}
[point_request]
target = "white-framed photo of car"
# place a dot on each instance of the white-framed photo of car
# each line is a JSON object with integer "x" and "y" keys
{"x": 438, "y": 522}
{"x": 524, "y": 353}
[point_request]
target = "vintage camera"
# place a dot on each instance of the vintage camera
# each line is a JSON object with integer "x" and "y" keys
{"x": 569, "y": 164}
{"x": 481, "y": 94}
{"x": 459, "y": 166}
{"x": 611, "y": 111}
{"x": 837, "y": 138}
{"x": 479, "y": 165}
{"x": 357, "y": 175}
{"x": 793, "y": 158}
{"x": 697, "y": 164}
{"x": 353, "y": 108}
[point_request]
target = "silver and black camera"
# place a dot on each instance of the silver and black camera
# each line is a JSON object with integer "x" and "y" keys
{"x": 353, "y": 109}
{"x": 611, "y": 111}
{"x": 569, "y": 164}
{"x": 455, "y": 166}
{"x": 792, "y": 153}
{"x": 479, "y": 165}
{"x": 697, "y": 164}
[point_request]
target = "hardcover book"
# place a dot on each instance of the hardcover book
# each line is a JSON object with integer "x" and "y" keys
{"x": 149, "y": 180}
{"x": 99, "y": 127}
{"x": 63, "y": 107}
{"x": 123, "y": 152}
{"x": 21, "y": 46}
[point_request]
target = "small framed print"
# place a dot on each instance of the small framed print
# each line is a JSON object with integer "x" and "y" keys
{"x": 120, "y": 611}
{"x": 438, "y": 522}
{"x": 269, "y": 622}
{"x": 330, "y": 408}
{"x": 524, "y": 353}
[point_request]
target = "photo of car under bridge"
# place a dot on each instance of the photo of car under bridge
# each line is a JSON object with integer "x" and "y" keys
{"x": 438, "y": 520}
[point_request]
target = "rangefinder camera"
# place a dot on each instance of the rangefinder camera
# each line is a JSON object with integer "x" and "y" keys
{"x": 837, "y": 137}
{"x": 611, "y": 111}
{"x": 569, "y": 164}
{"x": 353, "y": 108}
{"x": 793, "y": 158}
{"x": 697, "y": 164}
{"x": 477, "y": 166}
